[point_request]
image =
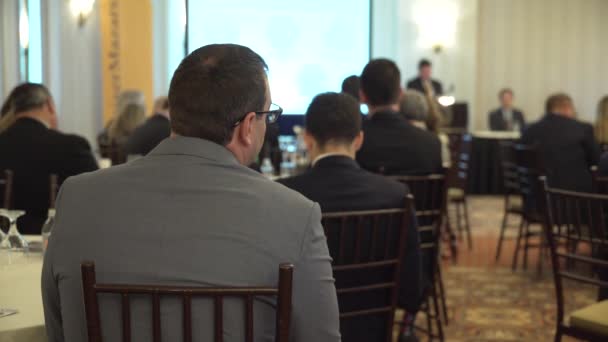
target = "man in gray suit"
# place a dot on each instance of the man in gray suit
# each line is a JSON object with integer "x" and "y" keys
{"x": 190, "y": 213}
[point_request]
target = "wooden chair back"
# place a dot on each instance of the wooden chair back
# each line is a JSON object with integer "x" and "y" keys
{"x": 91, "y": 290}
{"x": 362, "y": 245}
{"x": 529, "y": 171}
{"x": 6, "y": 187}
{"x": 578, "y": 240}
{"x": 600, "y": 182}
{"x": 508, "y": 163}
{"x": 430, "y": 198}
{"x": 460, "y": 150}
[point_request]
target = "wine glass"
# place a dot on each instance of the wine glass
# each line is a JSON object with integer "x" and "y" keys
{"x": 13, "y": 240}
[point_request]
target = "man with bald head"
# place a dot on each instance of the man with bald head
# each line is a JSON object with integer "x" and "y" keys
{"x": 192, "y": 213}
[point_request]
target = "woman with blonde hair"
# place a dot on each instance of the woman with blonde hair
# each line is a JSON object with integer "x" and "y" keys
{"x": 601, "y": 122}
{"x": 130, "y": 112}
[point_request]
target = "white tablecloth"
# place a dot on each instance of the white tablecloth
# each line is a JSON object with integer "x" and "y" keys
{"x": 20, "y": 289}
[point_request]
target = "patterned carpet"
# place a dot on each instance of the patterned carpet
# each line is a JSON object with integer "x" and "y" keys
{"x": 489, "y": 302}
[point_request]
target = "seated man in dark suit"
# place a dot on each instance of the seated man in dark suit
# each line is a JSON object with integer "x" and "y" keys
{"x": 337, "y": 183}
{"x": 506, "y": 118}
{"x": 33, "y": 150}
{"x": 157, "y": 128}
{"x": 424, "y": 83}
{"x": 393, "y": 145}
{"x": 567, "y": 146}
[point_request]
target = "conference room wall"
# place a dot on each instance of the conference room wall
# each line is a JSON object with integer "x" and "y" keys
{"x": 9, "y": 45}
{"x": 540, "y": 47}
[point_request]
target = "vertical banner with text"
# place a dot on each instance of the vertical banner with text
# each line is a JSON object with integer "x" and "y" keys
{"x": 127, "y": 51}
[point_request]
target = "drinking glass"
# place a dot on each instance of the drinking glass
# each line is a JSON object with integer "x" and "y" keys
{"x": 13, "y": 240}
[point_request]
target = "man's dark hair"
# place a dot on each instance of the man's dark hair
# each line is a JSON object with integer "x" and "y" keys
{"x": 555, "y": 101}
{"x": 25, "y": 97}
{"x": 381, "y": 82}
{"x": 424, "y": 63}
{"x": 351, "y": 86}
{"x": 333, "y": 117}
{"x": 213, "y": 87}
{"x": 504, "y": 91}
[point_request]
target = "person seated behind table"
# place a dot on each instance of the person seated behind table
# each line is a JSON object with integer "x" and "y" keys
{"x": 507, "y": 117}
{"x": 392, "y": 145}
{"x": 33, "y": 149}
{"x": 415, "y": 109}
{"x": 154, "y": 130}
{"x": 566, "y": 146}
{"x": 191, "y": 213}
{"x": 601, "y": 123}
{"x": 130, "y": 113}
{"x": 337, "y": 183}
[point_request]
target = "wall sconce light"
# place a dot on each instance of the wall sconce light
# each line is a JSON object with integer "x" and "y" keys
{"x": 82, "y": 10}
{"x": 437, "y": 24}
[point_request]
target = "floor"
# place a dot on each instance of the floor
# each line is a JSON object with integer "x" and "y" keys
{"x": 487, "y": 301}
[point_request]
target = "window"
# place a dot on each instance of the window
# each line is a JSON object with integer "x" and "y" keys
{"x": 30, "y": 41}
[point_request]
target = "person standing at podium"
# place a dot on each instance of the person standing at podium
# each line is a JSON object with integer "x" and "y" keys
{"x": 424, "y": 82}
{"x": 506, "y": 118}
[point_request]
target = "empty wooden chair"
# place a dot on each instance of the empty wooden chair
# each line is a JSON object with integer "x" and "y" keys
{"x": 367, "y": 248}
{"x": 91, "y": 290}
{"x": 578, "y": 240}
{"x": 6, "y": 187}
{"x": 512, "y": 194}
{"x": 430, "y": 202}
{"x": 458, "y": 176}
{"x": 529, "y": 171}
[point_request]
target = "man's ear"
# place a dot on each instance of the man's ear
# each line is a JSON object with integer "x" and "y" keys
{"x": 244, "y": 131}
{"x": 309, "y": 140}
{"x": 358, "y": 142}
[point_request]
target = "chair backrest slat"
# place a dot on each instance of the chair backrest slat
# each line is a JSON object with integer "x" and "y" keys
{"x": 364, "y": 244}
{"x": 187, "y": 305}
{"x": 91, "y": 289}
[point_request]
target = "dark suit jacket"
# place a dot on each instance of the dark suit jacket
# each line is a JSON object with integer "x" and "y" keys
{"x": 337, "y": 183}
{"x": 394, "y": 146}
{"x": 499, "y": 123}
{"x": 416, "y": 84}
{"x": 147, "y": 136}
{"x": 568, "y": 150}
{"x": 34, "y": 152}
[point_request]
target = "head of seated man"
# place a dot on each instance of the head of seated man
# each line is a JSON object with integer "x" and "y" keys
{"x": 29, "y": 100}
{"x": 333, "y": 126}
{"x": 381, "y": 85}
{"x": 414, "y": 108}
{"x": 210, "y": 99}
{"x": 560, "y": 104}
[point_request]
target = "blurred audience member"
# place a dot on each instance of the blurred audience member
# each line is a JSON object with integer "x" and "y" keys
{"x": 157, "y": 128}
{"x": 393, "y": 145}
{"x": 424, "y": 82}
{"x": 33, "y": 151}
{"x": 567, "y": 146}
{"x": 130, "y": 112}
{"x": 507, "y": 117}
{"x": 337, "y": 183}
{"x": 415, "y": 108}
{"x": 191, "y": 213}
{"x": 601, "y": 122}
{"x": 351, "y": 86}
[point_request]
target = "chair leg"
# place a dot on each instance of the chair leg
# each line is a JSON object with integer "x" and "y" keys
{"x": 541, "y": 254}
{"x": 501, "y": 237}
{"x": 437, "y": 317}
{"x": 452, "y": 238}
{"x": 429, "y": 318}
{"x": 526, "y": 245}
{"x": 467, "y": 225}
{"x": 442, "y": 297}
{"x": 458, "y": 220}
{"x": 517, "y": 245}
